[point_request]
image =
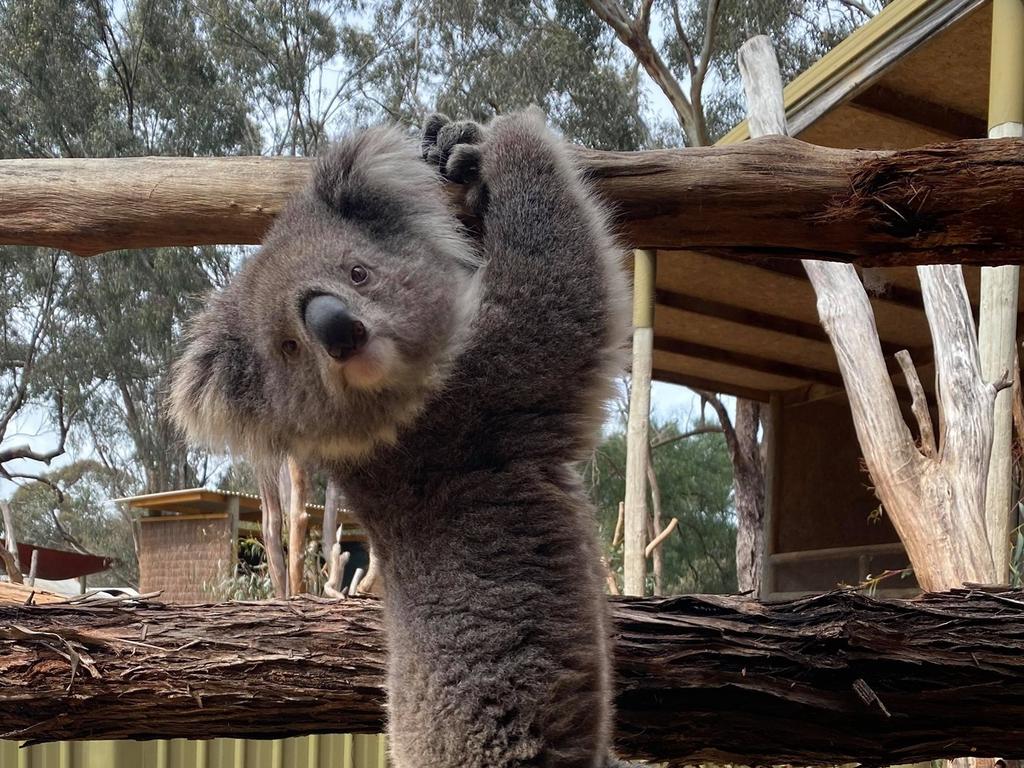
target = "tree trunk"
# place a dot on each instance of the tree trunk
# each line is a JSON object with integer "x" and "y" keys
{"x": 949, "y": 203}
{"x": 748, "y": 485}
{"x": 298, "y": 527}
{"x": 933, "y": 494}
{"x": 823, "y": 680}
{"x": 272, "y": 515}
{"x": 749, "y": 491}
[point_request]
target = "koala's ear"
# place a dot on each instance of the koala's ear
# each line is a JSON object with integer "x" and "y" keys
{"x": 217, "y": 385}
{"x": 377, "y": 175}
{"x": 379, "y": 179}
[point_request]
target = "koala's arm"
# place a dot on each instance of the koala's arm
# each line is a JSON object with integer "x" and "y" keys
{"x": 552, "y": 321}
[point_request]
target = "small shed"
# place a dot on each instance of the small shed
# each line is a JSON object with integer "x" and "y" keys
{"x": 918, "y": 73}
{"x": 188, "y": 539}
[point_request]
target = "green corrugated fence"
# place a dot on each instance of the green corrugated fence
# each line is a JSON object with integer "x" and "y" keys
{"x": 332, "y": 751}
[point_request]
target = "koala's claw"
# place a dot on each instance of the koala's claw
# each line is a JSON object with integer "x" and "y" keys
{"x": 453, "y": 146}
{"x": 463, "y": 164}
{"x": 428, "y": 139}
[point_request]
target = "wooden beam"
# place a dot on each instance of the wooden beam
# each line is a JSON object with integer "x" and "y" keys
{"x": 896, "y": 295}
{"x": 741, "y": 315}
{"x": 831, "y": 679}
{"x": 774, "y": 197}
{"x": 748, "y": 361}
{"x": 711, "y": 385}
{"x": 920, "y": 112}
{"x": 788, "y": 326}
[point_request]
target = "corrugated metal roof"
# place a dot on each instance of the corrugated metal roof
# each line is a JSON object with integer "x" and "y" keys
{"x": 326, "y": 751}
{"x": 186, "y": 495}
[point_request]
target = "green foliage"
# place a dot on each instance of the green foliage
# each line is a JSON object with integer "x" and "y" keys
{"x": 482, "y": 58}
{"x": 136, "y": 304}
{"x": 95, "y": 78}
{"x": 695, "y": 478}
{"x": 251, "y": 579}
{"x": 82, "y": 519}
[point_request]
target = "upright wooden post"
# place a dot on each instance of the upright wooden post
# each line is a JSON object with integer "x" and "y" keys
{"x": 298, "y": 525}
{"x": 634, "y": 559}
{"x": 997, "y": 326}
{"x": 766, "y": 116}
{"x": 772, "y": 491}
{"x": 233, "y": 519}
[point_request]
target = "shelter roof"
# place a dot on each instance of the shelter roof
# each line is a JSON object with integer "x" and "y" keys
{"x": 915, "y": 74}
{"x": 59, "y": 564}
{"x": 206, "y": 501}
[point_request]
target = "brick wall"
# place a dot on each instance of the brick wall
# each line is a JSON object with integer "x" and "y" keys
{"x": 186, "y": 558}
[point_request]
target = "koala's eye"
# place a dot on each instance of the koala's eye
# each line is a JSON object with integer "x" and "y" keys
{"x": 359, "y": 274}
{"x": 290, "y": 347}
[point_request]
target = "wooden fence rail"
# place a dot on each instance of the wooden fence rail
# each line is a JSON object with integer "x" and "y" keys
{"x": 771, "y": 197}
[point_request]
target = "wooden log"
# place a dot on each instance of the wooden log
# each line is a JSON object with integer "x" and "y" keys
{"x": 823, "y": 680}
{"x": 956, "y": 202}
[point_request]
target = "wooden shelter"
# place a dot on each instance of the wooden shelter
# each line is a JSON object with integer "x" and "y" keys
{"x": 188, "y": 539}
{"x": 918, "y": 73}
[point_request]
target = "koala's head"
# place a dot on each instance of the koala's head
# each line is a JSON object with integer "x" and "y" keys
{"x": 335, "y": 332}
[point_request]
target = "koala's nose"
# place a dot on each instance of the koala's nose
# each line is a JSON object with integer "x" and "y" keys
{"x": 328, "y": 320}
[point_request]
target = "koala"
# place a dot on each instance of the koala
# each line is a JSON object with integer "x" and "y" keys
{"x": 451, "y": 384}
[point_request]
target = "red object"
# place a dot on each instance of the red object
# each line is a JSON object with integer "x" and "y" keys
{"x": 57, "y": 564}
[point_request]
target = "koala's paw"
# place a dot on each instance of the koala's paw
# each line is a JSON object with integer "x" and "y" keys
{"x": 454, "y": 147}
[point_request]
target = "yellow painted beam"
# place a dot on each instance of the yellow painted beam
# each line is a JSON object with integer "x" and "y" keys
{"x": 1006, "y": 84}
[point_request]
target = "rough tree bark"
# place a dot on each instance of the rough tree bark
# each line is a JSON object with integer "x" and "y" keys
{"x": 748, "y": 482}
{"x": 749, "y": 490}
{"x": 942, "y": 204}
{"x": 272, "y": 515}
{"x": 824, "y": 680}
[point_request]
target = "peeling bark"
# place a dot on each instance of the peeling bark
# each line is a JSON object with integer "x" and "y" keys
{"x": 823, "y": 680}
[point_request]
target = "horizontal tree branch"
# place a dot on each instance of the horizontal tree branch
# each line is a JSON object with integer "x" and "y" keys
{"x": 956, "y": 202}
{"x": 831, "y": 679}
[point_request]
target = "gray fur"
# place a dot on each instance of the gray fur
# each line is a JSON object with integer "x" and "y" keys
{"x": 497, "y": 624}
